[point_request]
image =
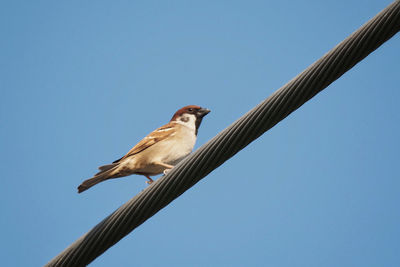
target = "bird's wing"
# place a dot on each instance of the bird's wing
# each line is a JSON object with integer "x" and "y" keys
{"x": 156, "y": 136}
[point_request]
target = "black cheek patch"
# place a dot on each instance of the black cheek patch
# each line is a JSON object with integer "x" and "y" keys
{"x": 185, "y": 119}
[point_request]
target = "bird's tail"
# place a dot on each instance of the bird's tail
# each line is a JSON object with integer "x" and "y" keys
{"x": 104, "y": 174}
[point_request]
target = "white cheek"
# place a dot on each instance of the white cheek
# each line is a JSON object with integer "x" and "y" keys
{"x": 189, "y": 120}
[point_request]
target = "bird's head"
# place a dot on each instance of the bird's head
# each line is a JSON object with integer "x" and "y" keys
{"x": 190, "y": 116}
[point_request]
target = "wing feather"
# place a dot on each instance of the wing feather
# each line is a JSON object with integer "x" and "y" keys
{"x": 152, "y": 138}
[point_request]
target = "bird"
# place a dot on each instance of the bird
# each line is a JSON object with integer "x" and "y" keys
{"x": 158, "y": 152}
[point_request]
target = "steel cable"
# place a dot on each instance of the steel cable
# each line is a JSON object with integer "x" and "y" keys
{"x": 234, "y": 138}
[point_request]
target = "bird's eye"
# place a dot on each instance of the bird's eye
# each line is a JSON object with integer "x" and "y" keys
{"x": 190, "y": 109}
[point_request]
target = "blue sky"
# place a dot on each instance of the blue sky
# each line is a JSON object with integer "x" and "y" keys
{"x": 82, "y": 82}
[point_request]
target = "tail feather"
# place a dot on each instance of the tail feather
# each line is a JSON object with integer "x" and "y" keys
{"x": 105, "y": 174}
{"x": 90, "y": 182}
{"x": 106, "y": 168}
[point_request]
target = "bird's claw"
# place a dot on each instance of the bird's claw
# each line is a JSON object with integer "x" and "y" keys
{"x": 150, "y": 180}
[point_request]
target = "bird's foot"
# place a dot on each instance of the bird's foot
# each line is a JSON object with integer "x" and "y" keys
{"x": 150, "y": 180}
{"x": 166, "y": 171}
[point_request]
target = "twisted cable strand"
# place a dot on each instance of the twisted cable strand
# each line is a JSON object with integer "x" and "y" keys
{"x": 234, "y": 138}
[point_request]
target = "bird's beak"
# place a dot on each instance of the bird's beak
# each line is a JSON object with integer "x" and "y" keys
{"x": 202, "y": 112}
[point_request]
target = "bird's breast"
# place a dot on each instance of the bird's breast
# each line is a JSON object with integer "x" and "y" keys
{"x": 177, "y": 146}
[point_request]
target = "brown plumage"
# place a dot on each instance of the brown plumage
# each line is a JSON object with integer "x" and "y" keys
{"x": 158, "y": 151}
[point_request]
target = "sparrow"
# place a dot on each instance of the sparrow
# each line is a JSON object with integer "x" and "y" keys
{"x": 158, "y": 152}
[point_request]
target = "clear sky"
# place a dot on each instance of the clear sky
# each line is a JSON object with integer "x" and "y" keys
{"x": 83, "y": 81}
